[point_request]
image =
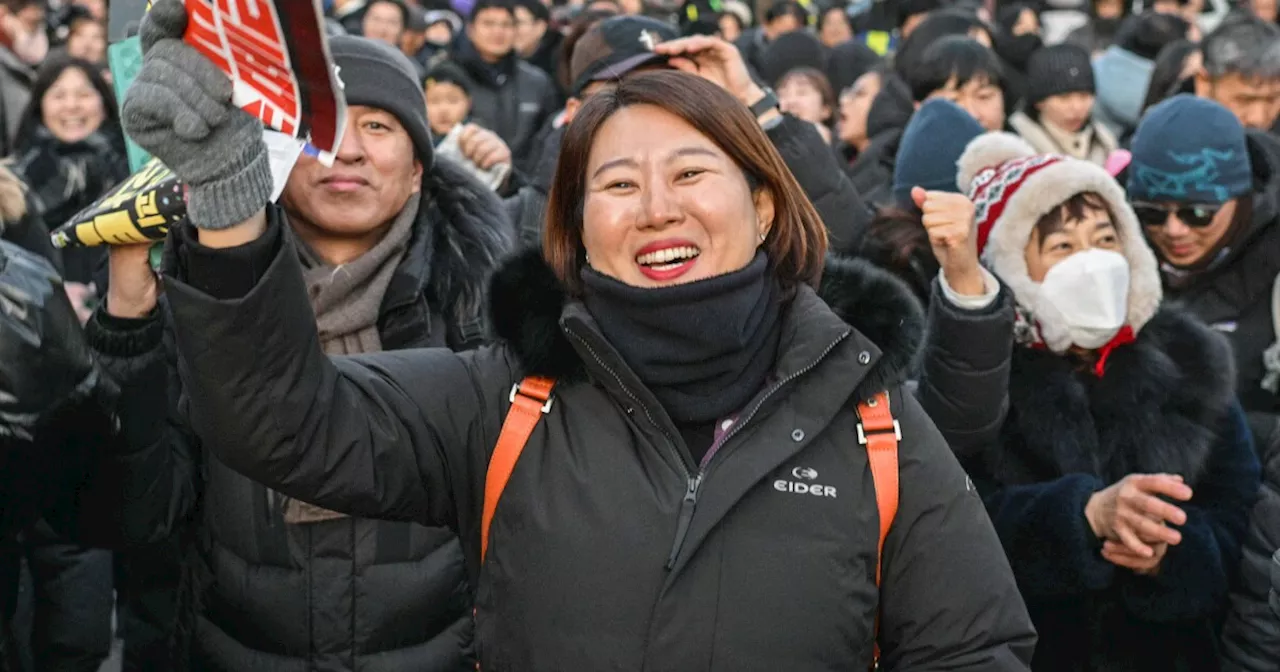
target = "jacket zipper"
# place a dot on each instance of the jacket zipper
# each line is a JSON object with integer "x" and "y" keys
{"x": 686, "y": 515}
{"x": 693, "y": 481}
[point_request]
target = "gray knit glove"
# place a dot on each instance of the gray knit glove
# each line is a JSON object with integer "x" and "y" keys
{"x": 179, "y": 109}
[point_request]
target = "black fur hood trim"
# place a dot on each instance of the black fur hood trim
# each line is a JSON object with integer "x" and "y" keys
{"x": 526, "y": 301}
{"x": 472, "y": 235}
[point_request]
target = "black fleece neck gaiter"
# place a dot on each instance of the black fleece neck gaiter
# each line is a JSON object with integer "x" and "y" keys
{"x": 703, "y": 348}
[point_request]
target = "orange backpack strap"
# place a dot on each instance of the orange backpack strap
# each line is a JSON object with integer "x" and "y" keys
{"x": 530, "y": 400}
{"x": 880, "y": 433}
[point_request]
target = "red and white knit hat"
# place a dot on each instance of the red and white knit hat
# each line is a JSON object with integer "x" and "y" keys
{"x": 1012, "y": 187}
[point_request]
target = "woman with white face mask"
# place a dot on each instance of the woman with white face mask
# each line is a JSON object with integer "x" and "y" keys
{"x": 1124, "y": 474}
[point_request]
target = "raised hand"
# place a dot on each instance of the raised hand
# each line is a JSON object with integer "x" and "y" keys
{"x": 179, "y": 109}
{"x": 948, "y": 219}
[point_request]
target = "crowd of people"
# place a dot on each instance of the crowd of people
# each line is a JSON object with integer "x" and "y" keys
{"x": 723, "y": 257}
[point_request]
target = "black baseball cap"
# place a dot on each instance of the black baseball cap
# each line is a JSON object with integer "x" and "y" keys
{"x": 615, "y": 47}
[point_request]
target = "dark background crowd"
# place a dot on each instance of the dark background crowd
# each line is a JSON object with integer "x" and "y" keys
{"x": 502, "y": 79}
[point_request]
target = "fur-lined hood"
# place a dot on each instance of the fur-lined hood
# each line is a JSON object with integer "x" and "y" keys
{"x": 527, "y": 303}
{"x": 471, "y": 234}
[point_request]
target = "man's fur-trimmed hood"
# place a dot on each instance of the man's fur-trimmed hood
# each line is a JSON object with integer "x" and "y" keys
{"x": 471, "y": 235}
{"x": 526, "y": 302}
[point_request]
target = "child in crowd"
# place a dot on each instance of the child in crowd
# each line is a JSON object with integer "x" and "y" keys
{"x": 447, "y": 92}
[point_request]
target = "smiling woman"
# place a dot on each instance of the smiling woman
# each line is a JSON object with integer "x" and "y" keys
{"x": 701, "y": 418}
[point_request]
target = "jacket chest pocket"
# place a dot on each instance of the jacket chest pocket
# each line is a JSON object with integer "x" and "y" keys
{"x": 802, "y": 548}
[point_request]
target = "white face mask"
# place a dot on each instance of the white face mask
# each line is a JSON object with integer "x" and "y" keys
{"x": 1087, "y": 294}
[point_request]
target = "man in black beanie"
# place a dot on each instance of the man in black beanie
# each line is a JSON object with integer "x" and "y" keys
{"x": 396, "y": 249}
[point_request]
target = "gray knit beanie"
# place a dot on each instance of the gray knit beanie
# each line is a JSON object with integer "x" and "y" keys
{"x": 377, "y": 75}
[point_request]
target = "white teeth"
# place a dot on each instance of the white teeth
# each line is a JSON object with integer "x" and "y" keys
{"x": 668, "y": 255}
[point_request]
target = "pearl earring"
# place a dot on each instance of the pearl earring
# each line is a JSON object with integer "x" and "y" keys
{"x": 762, "y": 237}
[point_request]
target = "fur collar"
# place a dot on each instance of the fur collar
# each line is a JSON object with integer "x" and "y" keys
{"x": 526, "y": 302}
{"x": 1157, "y": 409}
{"x": 472, "y": 234}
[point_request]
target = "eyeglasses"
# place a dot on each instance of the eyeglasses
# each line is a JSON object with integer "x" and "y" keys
{"x": 1157, "y": 214}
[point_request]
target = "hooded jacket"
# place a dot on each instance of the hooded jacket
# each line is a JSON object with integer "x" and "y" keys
{"x": 589, "y": 566}
{"x": 347, "y": 594}
{"x": 511, "y": 97}
{"x": 1165, "y": 404}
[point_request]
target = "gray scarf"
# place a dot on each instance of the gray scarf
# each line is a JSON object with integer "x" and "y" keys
{"x": 346, "y": 300}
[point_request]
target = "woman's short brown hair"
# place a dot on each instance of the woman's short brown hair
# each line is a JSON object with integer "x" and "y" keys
{"x": 797, "y": 241}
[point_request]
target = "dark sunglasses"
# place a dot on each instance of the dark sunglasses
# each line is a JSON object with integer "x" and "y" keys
{"x": 1194, "y": 216}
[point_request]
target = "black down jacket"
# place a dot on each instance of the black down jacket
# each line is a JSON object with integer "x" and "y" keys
{"x": 511, "y": 98}
{"x": 347, "y": 594}
{"x": 589, "y": 566}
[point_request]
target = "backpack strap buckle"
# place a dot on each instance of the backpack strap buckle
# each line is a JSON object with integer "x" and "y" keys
{"x": 533, "y": 388}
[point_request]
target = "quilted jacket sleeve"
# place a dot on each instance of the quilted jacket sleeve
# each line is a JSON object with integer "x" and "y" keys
{"x": 964, "y": 384}
{"x": 397, "y": 435}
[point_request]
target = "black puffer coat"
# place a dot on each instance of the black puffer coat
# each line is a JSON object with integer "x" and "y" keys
{"x": 348, "y": 594}
{"x": 587, "y": 567}
{"x": 511, "y": 98}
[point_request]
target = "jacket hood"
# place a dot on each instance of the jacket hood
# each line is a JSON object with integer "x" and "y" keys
{"x": 526, "y": 303}
{"x": 471, "y": 235}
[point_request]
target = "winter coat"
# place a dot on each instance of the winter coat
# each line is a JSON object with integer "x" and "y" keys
{"x": 16, "y": 78}
{"x": 810, "y": 159}
{"x": 347, "y": 594}
{"x": 1122, "y": 78}
{"x": 510, "y": 98}
{"x": 1101, "y": 143}
{"x": 1166, "y": 404}
{"x": 722, "y": 568}
{"x": 65, "y": 178}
